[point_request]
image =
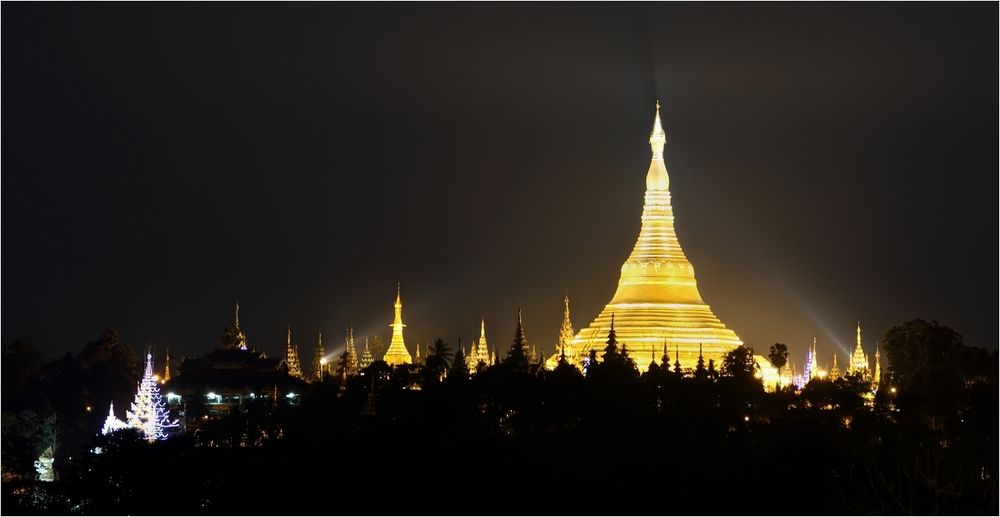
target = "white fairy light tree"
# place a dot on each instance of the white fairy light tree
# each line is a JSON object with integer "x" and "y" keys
{"x": 112, "y": 423}
{"x": 148, "y": 412}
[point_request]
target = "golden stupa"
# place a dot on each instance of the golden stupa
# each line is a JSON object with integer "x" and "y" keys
{"x": 657, "y": 306}
{"x": 397, "y": 352}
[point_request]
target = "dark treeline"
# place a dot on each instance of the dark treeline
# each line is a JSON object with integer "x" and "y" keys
{"x": 515, "y": 439}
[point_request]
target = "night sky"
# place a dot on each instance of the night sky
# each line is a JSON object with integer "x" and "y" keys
{"x": 829, "y": 163}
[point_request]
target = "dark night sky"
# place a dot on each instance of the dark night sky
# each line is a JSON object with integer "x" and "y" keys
{"x": 829, "y": 163}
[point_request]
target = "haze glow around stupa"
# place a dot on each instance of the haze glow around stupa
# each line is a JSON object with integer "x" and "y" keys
{"x": 657, "y": 305}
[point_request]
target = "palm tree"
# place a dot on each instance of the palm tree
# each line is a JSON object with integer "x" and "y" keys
{"x": 778, "y": 357}
{"x": 438, "y": 359}
{"x": 442, "y": 350}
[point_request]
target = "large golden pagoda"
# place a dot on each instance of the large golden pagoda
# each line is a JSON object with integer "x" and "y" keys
{"x": 657, "y": 300}
{"x": 397, "y": 352}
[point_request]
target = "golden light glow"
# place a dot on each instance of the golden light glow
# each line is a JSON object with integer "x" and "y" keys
{"x": 657, "y": 305}
{"x": 397, "y": 352}
{"x": 859, "y": 359}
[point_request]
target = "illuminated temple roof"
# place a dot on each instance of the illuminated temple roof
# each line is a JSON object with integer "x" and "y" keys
{"x": 657, "y": 300}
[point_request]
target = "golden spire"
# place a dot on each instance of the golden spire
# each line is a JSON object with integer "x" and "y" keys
{"x": 236, "y": 320}
{"x": 292, "y": 356}
{"x": 482, "y": 333}
{"x": 166, "y": 366}
{"x": 877, "y": 376}
{"x": 657, "y": 296}
{"x": 657, "y": 137}
{"x": 657, "y": 178}
{"x": 397, "y": 352}
{"x": 859, "y": 360}
{"x": 566, "y": 331}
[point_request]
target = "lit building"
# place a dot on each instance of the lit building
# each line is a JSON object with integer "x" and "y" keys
{"x": 292, "y": 356}
{"x": 319, "y": 360}
{"x": 564, "y": 347}
{"x": 812, "y": 369}
{"x": 657, "y": 297}
{"x": 788, "y": 377}
{"x": 877, "y": 377}
{"x": 397, "y": 352}
{"x": 233, "y": 336}
{"x": 480, "y": 350}
{"x": 859, "y": 359}
{"x": 835, "y": 371}
{"x": 349, "y": 359}
{"x": 112, "y": 423}
{"x": 220, "y": 381}
{"x": 366, "y": 357}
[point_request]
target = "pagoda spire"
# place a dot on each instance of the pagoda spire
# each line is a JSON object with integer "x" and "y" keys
{"x": 166, "y": 367}
{"x": 657, "y": 295}
{"x": 480, "y": 350}
{"x": 397, "y": 352}
{"x": 366, "y": 356}
{"x": 349, "y": 358}
{"x": 859, "y": 359}
{"x": 566, "y": 330}
{"x": 519, "y": 349}
{"x": 292, "y": 356}
{"x": 319, "y": 359}
{"x": 233, "y": 336}
{"x": 657, "y": 177}
{"x": 877, "y": 376}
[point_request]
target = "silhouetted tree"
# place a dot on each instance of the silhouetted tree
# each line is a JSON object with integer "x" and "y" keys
{"x": 778, "y": 356}
{"x": 437, "y": 361}
{"x": 930, "y": 367}
{"x": 700, "y": 372}
{"x": 739, "y": 363}
{"x": 459, "y": 370}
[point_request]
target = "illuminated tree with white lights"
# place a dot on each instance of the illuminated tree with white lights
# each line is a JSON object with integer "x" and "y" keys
{"x": 149, "y": 413}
